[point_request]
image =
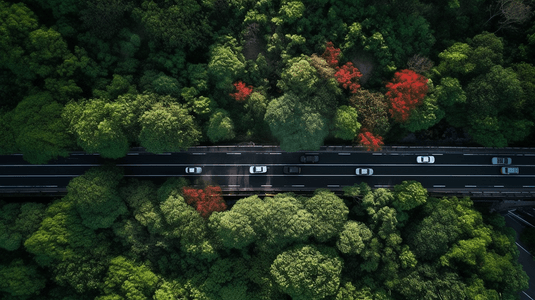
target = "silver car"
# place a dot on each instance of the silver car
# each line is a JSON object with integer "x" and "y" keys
{"x": 425, "y": 159}
{"x": 501, "y": 160}
{"x": 257, "y": 169}
{"x": 364, "y": 171}
{"x": 193, "y": 170}
{"x": 509, "y": 170}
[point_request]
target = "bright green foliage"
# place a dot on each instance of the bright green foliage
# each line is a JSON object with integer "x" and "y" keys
{"x": 98, "y": 126}
{"x": 296, "y": 126}
{"x": 175, "y": 23}
{"x": 226, "y": 64}
{"x": 299, "y": 78}
{"x": 18, "y": 222}
{"x": 478, "y": 55}
{"x": 308, "y": 272}
{"x": 345, "y": 123}
{"x": 220, "y": 127}
{"x": 96, "y": 198}
{"x": 170, "y": 290}
{"x": 130, "y": 280}
{"x": 409, "y": 194}
{"x": 62, "y": 235}
{"x": 40, "y": 133}
{"x": 424, "y": 116}
{"x": 167, "y": 127}
{"x": 353, "y": 238}
{"x": 456, "y": 60}
{"x": 276, "y": 222}
{"x": 234, "y": 229}
{"x": 174, "y": 63}
{"x": 182, "y": 221}
{"x": 329, "y": 214}
{"x": 21, "y": 280}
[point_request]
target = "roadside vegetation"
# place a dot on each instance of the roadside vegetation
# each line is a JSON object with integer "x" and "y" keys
{"x": 103, "y": 76}
{"x": 116, "y": 238}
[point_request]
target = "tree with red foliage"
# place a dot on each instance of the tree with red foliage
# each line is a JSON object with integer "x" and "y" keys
{"x": 371, "y": 142}
{"x": 348, "y": 76}
{"x": 242, "y": 91}
{"x": 331, "y": 54}
{"x": 205, "y": 201}
{"x": 405, "y": 92}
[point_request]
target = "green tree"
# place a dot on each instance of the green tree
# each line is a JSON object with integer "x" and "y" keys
{"x": 296, "y": 126}
{"x": 128, "y": 279}
{"x": 409, "y": 195}
{"x": 308, "y": 271}
{"x": 175, "y": 23}
{"x": 346, "y": 123}
{"x": 329, "y": 213}
{"x": 20, "y": 280}
{"x": 299, "y": 78}
{"x": 233, "y": 229}
{"x": 226, "y": 64}
{"x": 96, "y": 197}
{"x": 40, "y": 132}
{"x": 62, "y": 236}
{"x": 220, "y": 127}
{"x": 98, "y": 126}
{"x": 19, "y": 222}
{"x": 167, "y": 127}
{"x": 353, "y": 238}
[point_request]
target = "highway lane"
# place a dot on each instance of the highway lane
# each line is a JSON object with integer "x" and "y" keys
{"x": 335, "y": 169}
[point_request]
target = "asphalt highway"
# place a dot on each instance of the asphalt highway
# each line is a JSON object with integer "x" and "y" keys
{"x": 335, "y": 169}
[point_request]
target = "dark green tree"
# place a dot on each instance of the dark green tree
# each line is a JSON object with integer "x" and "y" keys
{"x": 96, "y": 197}
{"x": 308, "y": 271}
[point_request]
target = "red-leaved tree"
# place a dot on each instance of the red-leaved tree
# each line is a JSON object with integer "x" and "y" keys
{"x": 205, "y": 201}
{"x": 242, "y": 91}
{"x": 405, "y": 92}
{"x": 348, "y": 76}
{"x": 331, "y": 54}
{"x": 371, "y": 142}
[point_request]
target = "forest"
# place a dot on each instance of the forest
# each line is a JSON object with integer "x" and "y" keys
{"x": 114, "y": 238}
{"x": 105, "y": 75}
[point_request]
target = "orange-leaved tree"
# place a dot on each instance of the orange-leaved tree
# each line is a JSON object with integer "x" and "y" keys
{"x": 371, "y": 142}
{"x": 348, "y": 76}
{"x": 331, "y": 54}
{"x": 242, "y": 91}
{"x": 205, "y": 201}
{"x": 406, "y": 91}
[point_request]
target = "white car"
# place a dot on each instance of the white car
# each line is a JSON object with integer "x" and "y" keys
{"x": 425, "y": 159}
{"x": 257, "y": 169}
{"x": 364, "y": 171}
{"x": 193, "y": 170}
{"x": 509, "y": 170}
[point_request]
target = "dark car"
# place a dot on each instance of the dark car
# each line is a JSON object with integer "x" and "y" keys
{"x": 310, "y": 159}
{"x": 292, "y": 170}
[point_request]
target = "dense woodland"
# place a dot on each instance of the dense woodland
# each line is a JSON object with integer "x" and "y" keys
{"x": 105, "y": 75}
{"x": 111, "y": 238}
